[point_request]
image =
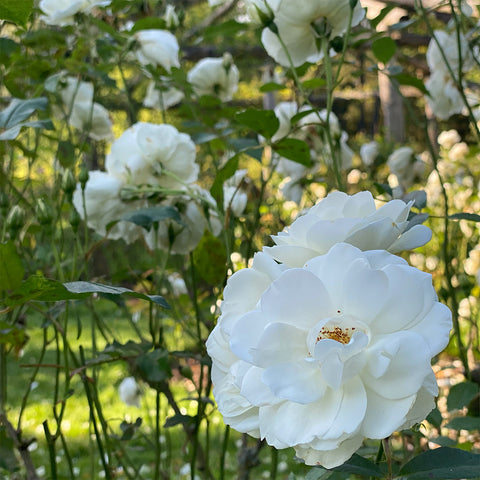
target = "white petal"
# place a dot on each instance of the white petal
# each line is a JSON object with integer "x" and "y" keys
{"x": 245, "y": 334}
{"x": 291, "y": 255}
{"x": 417, "y": 236}
{"x": 255, "y": 390}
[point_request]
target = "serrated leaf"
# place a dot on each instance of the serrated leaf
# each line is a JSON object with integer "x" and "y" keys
{"x": 39, "y": 288}
{"x": 146, "y": 217}
{"x": 384, "y": 49}
{"x": 11, "y": 267}
{"x": 16, "y": 11}
{"x": 293, "y": 149}
{"x": 263, "y": 122}
{"x": 464, "y": 423}
{"x": 360, "y": 466}
{"x": 461, "y": 395}
{"x": 465, "y": 216}
{"x": 443, "y": 463}
{"x": 19, "y": 110}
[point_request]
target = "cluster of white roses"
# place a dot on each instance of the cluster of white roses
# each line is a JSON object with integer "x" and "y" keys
{"x": 328, "y": 337}
{"x": 447, "y": 54}
{"x": 160, "y": 159}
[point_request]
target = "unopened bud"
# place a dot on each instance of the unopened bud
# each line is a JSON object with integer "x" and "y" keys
{"x": 68, "y": 183}
{"x": 15, "y": 220}
{"x": 83, "y": 176}
{"x": 74, "y": 219}
{"x": 43, "y": 212}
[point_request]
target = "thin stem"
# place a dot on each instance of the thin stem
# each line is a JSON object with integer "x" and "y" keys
{"x": 224, "y": 452}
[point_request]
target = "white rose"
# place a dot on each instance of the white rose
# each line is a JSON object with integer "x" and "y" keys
{"x": 301, "y": 26}
{"x": 171, "y": 17}
{"x": 153, "y": 154}
{"x": 449, "y": 46}
{"x": 234, "y": 196}
{"x": 320, "y": 357}
{"x": 129, "y": 392}
{"x": 444, "y": 100}
{"x": 472, "y": 263}
{"x": 157, "y": 47}
{"x": 458, "y": 152}
{"x": 351, "y": 219}
{"x": 401, "y": 163}
{"x": 217, "y": 77}
{"x": 369, "y": 152}
{"x": 448, "y": 138}
{"x": 177, "y": 283}
{"x": 61, "y": 12}
{"x": 103, "y": 205}
{"x": 162, "y": 99}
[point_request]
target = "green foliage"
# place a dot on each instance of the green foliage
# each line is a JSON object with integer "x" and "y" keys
{"x": 461, "y": 395}
{"x": 263, "y": 122}
{"x": 11, "y": 267}
{"x": 293, "y": 149}
{"x": 210, "y": 259}
{"x": 384, "y": 49}
{"x": 16, "y": 11}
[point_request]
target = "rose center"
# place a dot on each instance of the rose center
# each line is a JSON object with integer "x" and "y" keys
{"x": 339, "y": 334}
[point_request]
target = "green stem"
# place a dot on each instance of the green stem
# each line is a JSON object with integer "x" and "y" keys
{"x": 224, "y": 452}
{"x": 51, "y": 450}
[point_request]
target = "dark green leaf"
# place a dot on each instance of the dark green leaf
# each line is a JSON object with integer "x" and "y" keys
{"x": 146, "y": 217}
{"x": 293, "y": 149}
{"x": 384, "y": 49}
{"x": 272, "y": 87}
{"x": 435, "y": 418}
{"x": 314, "y": 83}
{"x": 16, "y": 11}
{"x": 154, "y": 366}
{"x": 360, "y": 466}
{"x": 443, "y": 441}
{"x": 210, "y": 259}
{"x": 406, "y": 79}
{"x": 263, "y": 122}
{"x": 383, "y": 188}
{"x": 223, "y": 174}
{"x": 179, "y": 420}
{"x": 442, "y": 463}
{"x": 129, "y": 429}
{"x": 318, "y": 473}
{"x": 418, "y": 196}
{"x": 464, "y": 423}
{"x": 40, "y": 288}
{"x": 7, "y": 48}
{"x": 20, "y": 110}
{"x": 465, "y": 216}
{"x": 461, "y": 395}
{"x": 148, "y": 23}
{"x": 129, "y": 349}
{"x": 229, "y": 28}
{"x": 8, "y": 460}
{"x": 383, "y": 13}
{"x": 11, "y": 267}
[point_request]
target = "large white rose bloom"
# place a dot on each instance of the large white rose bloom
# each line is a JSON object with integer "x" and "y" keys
{"x": 351, "y": 219}
{"x": 61, "y": 12}
{"x": 217, "y": 77}
{"x": 302, "y": 25}
{"x": 320, "y": 357}
{"x": 103, "y": 205}
{"x": 157, "y": 47}
{"x": 153, "y": 154}
{"x": 83, "y": 112}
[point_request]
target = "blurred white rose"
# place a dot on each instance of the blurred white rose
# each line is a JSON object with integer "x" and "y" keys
{"x": 449, "y": 47}
{"x": 171, "y": 17}
{"x": 302, "y": 25}
{"x": 157, "y": 47}
{"x": 458, "y": 152}
{"x": 177, "y": 283}
{"x": 405, "y": 165}
{"x": 234, "y": 196}
{"x": 351, "y": 219}
{"x": 152, "y": 154}
{"x": 444, "y": 100}
{"x": 162, "y": 98}
{"x": 472, "y": 263}
{"x": 103, "y": 205}
{"x": 361, "y": 330}
{"x": 217, "y": 77}
{"x": 448, "y": 138}
{"x": 130, "y": 392}
{"x": 61, "y": 12}
{"x": 369, "y": 152}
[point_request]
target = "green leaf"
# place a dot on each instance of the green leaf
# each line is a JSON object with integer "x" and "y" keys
{"x": 464, "y": 423}
{"x": 230, "y": 28}
{"x": 179, "y": 420}
{"x": 16, "y": 11}
{"x": 384, "y": 188}
{"x": 418, "y": 196}
{"x": 154, "y": 366}
{"x": 12, "y": 133}
{"x": 11, "y": 267}
{"x": 406, "y": 79}
{"x": 461, "y": 394}
{"x": 7, "y": 48}
{"x": 293, "y": 149}
{"x": 210, "y": 259}
{"x": 8, "y": 460}
{"x": 443, "y": 441}
{"x": 465, "y": 216}
{"x": 435, "y": 418}
{"x": 384, "y": 49}
{"x": 360, "y": 466}
{"x": 263, "y": 122}
{"x": 12, "y": 334}
{"x": 146, "y": 217}
{"x": 39, "y": 288}
{"x": 314, "y": 83}
{"x": 272, "y": 87}
{"x": 318, "y": 473}
{"x": 149, "y": 23}
{"x": 442, "y": 463}
{"x": 224, "y": 174}
{"x": 20, "y": 110}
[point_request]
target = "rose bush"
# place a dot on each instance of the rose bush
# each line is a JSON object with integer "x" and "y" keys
{"x": 351, "y": 219}
{"x": 319, "y": 357}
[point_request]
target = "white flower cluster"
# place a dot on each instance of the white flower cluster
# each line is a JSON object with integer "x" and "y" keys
{"x": 82, "y": 112}
{"x": 299, "y": 27}
{"x": 153, "y": 156}
{"x": 334, "y": 343}
{"x": 62, "y": 12}
{"x": 444, "y": 55}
